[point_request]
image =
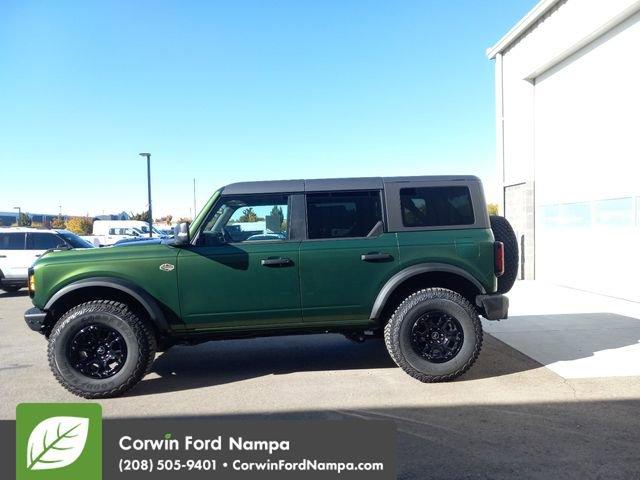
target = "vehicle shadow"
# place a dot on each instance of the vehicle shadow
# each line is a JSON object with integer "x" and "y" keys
{"x": 228, "y": 361}
{"x": 222, "y": 362}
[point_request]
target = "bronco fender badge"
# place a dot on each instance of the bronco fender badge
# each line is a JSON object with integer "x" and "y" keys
{"x": 167, "y": 267}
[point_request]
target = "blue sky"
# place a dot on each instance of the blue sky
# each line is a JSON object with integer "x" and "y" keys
{"x": 239, "y": 90}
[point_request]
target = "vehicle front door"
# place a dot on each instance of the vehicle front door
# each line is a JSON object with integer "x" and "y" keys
{"x": 242, "y": 268}
{"x": 346, "y": 258}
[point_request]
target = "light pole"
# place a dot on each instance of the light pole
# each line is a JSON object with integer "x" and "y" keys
{"x": 148, "y": 155}
{"x": 19, "y": 215}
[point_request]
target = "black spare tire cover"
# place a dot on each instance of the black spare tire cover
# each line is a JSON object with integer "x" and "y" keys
{"x": 503, "y": 232}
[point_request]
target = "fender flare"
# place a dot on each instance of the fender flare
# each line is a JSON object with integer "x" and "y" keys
{"x": 412, "y": 271}
{"x": 147, "y": 301}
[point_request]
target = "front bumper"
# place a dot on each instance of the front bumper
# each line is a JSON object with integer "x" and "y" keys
{"x": 493, "y": 307}
{"x": 35, "y": 319}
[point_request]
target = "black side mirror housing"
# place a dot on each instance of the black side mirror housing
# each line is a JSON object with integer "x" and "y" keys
{"x": 181, "y": 234}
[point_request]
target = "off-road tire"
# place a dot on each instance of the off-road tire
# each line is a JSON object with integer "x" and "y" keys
{"x": 503, "y": 232}
{"x": 10, "y": 288}
{"x": 139, "y": 338}
{"x": 397, "y": 334}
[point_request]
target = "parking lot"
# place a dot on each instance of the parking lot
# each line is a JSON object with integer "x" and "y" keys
{"x": 556, "y": 388}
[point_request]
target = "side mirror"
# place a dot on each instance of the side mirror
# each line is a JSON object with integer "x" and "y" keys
{"x": 181, "y": 234}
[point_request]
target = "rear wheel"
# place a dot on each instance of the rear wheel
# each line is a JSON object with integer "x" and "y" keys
{"x": 100, "y": 349}
{"x": 434, "y": 335}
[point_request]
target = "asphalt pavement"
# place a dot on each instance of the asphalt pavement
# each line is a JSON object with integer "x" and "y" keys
{"x": 554, "y": 394}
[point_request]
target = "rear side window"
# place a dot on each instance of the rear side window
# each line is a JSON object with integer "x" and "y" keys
{"x": 43, "y": 241}
{"x": 11, "y": 241}
{"x": 436, "y": 206}
{"x": 342, "y": 214}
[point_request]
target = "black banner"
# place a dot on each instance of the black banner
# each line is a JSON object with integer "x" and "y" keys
{"x": 159, "y": 448}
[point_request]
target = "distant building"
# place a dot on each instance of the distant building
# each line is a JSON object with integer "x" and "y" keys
{"x": 568, "y": 103}
{"x": 117, "y": 216}
{"x": 9, "y": 218}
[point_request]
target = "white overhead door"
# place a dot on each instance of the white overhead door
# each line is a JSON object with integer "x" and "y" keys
{"x": 587, "y": 166}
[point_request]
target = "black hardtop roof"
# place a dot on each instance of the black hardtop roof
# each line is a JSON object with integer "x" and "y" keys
{"x": 333, "y": 184}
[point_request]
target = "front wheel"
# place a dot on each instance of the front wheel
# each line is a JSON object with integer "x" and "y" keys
{"x": 434, "y": 335}
{"x": 100, "y": 349}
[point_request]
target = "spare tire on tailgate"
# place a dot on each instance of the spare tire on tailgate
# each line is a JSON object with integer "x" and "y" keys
{"x": 503, "y": 232}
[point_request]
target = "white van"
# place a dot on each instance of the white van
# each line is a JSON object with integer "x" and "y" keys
{"x": 108, "y": 232}
{"x": 103, "y": 227}
{"x": 20, "y": 247}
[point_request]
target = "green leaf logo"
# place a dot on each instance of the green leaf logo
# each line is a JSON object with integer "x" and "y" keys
{"x": 56, "y": 442}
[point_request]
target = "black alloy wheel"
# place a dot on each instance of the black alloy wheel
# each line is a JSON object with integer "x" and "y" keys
{"x": 436, "y": 336}
{"x": 97, "y": 351}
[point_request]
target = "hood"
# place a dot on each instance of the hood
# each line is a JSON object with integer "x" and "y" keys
{"x": 134, "y": 250}
{"x": 127, "y": 242}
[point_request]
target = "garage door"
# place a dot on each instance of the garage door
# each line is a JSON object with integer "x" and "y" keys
{"x": 587, "y": 155}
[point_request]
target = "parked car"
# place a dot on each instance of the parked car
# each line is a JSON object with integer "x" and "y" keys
{"x": 414, "y": 260}
{"x": 110, "y": 232}
{"x": 20, "y": 247}
{"x": 267, "y": 236}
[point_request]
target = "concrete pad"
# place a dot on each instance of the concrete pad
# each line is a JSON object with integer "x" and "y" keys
{"x": 575, "y": 334}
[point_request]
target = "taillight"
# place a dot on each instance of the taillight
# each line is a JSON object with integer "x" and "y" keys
{"x": 498, "y": 258}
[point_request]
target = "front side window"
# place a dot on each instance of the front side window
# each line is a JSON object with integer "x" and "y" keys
{"x": 342, "y": 214}
{"x": 436, "y": 206}
{"x": 11, "y": 241}
{"x": 250, "y": 218}
{"x": 43, "y": 241}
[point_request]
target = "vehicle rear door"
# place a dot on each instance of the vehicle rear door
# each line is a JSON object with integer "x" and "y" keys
{"x": 14, "y": 258}
{"x": 346, "y": 257}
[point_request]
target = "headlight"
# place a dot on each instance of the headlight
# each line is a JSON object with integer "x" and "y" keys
{"x": 32, "y": 283}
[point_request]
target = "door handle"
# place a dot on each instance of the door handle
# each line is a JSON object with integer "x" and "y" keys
{"x": 3, "y": 256}
{"x": 375, "y": 257}
{"x": 276, "y": 262}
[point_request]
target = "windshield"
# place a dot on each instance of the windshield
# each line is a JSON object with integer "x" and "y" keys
{"x": 145, "y": 229}
{"x": 193, "y": 228}
{"x": 74, "y": 240}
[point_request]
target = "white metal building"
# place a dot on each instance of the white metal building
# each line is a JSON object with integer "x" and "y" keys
{"x": 568, "y": 142}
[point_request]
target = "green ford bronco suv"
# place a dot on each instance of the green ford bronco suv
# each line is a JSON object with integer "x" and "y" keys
{"x": 412, "y": 259}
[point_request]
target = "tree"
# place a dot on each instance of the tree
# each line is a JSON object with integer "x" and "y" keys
{"x": 184, "y": 220}
{"x": 166, "y": 219}
{"x": 58, "y": 223}
{"x": 275, "y": 219}
{"x": 277, "y": 210}
{"x": 80, "y": 225}
{"x": 492, "y": 208}
{"x": 144, "y": 216}
{"x": 248, "y": 215}
{"x": 24, "y": 220}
